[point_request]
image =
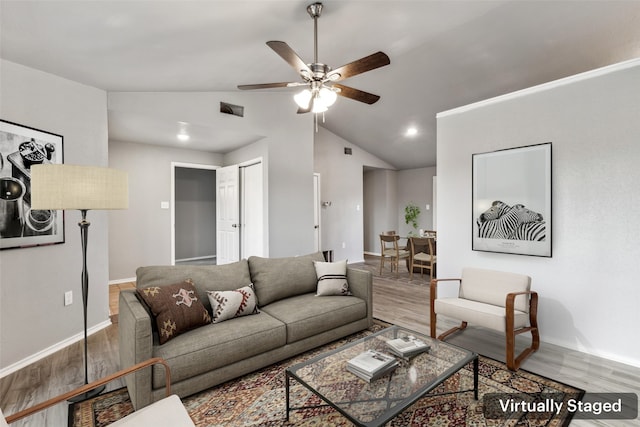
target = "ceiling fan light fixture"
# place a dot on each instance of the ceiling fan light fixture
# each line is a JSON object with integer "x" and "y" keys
{"x": 318, "y": 105}
{"x": 328, "y": 96}
{"x": 303, "y": 98}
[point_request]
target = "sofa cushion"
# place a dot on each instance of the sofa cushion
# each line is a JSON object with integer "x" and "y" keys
{"x": 278, "y": 278}
{"x": 307, "y": 315}
{"x": 332, "y": 278}
{"x": 217, "y": 345}
{"x": 176, "y": 308}
{"x": 229, "y": 304}
{"x": 478, "y": 313}
{"x": 205, "y": 277}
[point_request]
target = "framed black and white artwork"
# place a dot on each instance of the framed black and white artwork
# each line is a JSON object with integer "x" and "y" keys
{"x": 20, "y": 148}
{"x": 512, "y": 201}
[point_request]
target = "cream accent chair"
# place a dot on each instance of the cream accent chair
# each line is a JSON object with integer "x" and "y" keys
{"x": 389, "y": 249}
{"x": 169, "y": 412}
{"x": 493, "y": 299}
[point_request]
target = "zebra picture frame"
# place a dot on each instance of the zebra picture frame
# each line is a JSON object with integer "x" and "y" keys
{"x": 511, "y": 208}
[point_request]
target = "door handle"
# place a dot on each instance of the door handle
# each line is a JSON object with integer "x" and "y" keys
{"x": 316, "y": 226}
{"x": 235, "y": 225}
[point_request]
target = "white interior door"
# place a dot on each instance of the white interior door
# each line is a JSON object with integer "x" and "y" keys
{"x": 227, "y": 210}
{"x": 252, "y": 207}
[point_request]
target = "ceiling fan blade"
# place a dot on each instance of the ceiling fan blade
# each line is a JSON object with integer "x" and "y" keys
{"x": 289, "y": 55}
{"x": 357, "y": 94}
{"x": 362, "y": 65}
{"x": 264, "y": 86}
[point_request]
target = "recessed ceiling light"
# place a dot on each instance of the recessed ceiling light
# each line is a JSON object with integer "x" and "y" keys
{"x": 411, "y": 131}
{"x": 183, "y": 137}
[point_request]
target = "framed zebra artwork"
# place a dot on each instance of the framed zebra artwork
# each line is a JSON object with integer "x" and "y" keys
{"x": 512, "y": 201}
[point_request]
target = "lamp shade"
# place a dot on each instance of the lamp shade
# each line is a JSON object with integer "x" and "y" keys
{"x": 61, "y": 186}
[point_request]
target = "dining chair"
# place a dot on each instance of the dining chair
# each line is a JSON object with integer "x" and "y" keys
{"x": 391, "y": 250}
{"x": 421, "y": 259}
{"x": 430, "y": 233}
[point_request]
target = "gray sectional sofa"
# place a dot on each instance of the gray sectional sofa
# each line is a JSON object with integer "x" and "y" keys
{"x": 292, "y": 319}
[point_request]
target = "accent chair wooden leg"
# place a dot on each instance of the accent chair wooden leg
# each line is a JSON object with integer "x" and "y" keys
{"x": 513, "y": 362}
{"x": 432, "y": 323}
{"x": 444, "y": 335}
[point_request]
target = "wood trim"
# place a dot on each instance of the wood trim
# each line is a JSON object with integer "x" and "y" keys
{"x": 88, "y": 387}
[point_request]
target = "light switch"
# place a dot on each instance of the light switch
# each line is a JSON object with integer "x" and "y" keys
{"x": 164, "y": 205}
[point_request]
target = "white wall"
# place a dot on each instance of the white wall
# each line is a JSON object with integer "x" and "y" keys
{"x": 380, "y": 206}
{"x": 416, "y": 186}
{"x": 342, "y": 184}
{"x": 285, "y": 145}
{"x": 33, "y": 317}
{"x": 141, "y": 235}
{"x": 589, "y": 293}
{"x": 386, "y": 193}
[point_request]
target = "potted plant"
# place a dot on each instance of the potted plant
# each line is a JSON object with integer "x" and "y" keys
{"x": 411, "y": 214}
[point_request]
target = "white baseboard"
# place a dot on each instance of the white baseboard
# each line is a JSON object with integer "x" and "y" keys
{"x": 118, "y": 281}
{"x": 50, "y": 350}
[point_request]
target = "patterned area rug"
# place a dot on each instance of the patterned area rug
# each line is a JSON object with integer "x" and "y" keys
{"x": 258, "y": 399}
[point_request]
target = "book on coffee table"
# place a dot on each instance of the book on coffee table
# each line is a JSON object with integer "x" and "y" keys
{"x": 371, "y": 365}
{"x": 407, "y": 346}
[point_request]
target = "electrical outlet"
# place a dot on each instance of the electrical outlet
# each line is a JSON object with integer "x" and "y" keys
{"x": 68, "y": 298}
{"x": 344, "y": 245}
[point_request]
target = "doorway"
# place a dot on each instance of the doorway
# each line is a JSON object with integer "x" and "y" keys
{"x": 201, "y": 212}
{"x": 194, "y": 214}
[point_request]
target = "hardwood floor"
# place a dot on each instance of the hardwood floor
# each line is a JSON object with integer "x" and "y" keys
{"x": 400, "y": 301}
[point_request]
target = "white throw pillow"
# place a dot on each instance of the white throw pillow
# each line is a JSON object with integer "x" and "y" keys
{"x": 229, "y": 304}
{"x": 332, "y": 278}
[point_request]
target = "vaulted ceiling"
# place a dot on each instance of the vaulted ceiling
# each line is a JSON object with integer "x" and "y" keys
{"x": 444, "y": 54}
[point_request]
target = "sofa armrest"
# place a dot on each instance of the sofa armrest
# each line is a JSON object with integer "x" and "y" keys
{"x": 135, "y": 337}
{"x": 361, "y": 285}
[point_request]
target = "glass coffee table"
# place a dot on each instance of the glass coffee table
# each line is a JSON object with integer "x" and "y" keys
{"x": 376, "y": 403}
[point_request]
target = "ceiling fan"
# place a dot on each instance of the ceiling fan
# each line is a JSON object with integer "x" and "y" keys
{"x": 320, "y": 80}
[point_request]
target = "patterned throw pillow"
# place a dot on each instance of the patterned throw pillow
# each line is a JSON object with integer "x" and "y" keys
{"x": 332, "y": 278}
{"x": 229, "y": 304}
{"x": 175, "y": 307}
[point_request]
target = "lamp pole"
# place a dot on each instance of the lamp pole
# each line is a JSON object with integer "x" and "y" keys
{"x": 84, "y": 238}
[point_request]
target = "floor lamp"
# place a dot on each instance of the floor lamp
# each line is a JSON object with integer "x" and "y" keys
{"x": 83, "y": 188}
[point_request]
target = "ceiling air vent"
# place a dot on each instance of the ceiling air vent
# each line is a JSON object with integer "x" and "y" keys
{"x": 234, "y": 110}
